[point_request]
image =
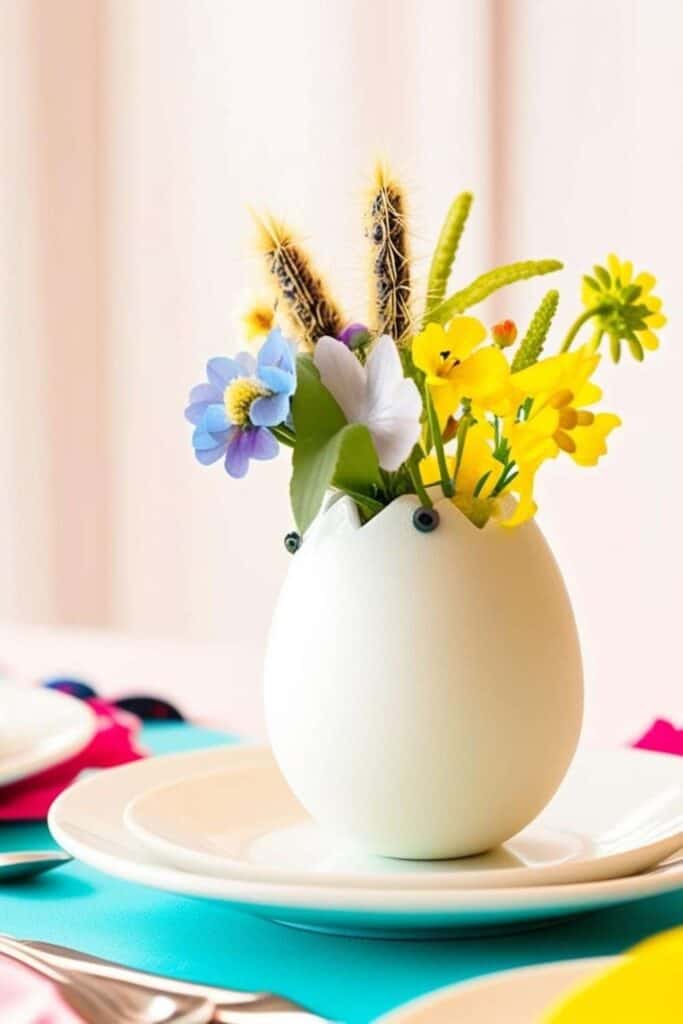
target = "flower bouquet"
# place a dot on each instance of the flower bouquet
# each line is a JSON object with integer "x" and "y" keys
{"x": 416, "y": 698}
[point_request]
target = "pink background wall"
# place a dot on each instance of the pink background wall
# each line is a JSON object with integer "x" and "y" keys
{"x": 134, "y": 133}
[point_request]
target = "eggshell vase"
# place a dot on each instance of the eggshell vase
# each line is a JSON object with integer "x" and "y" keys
{"x": 423, "y": 691}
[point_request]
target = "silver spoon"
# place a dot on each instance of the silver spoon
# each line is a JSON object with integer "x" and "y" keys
{"x": 17, "y": 866}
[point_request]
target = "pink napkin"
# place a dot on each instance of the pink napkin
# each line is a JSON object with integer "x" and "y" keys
{"x": 115, "y": 742}
{"x": 26, "y": 998}
{"x": 663, "y": 737}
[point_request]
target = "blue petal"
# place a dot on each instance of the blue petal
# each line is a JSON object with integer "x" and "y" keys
{"x": 195, "y": 413}
{"x": 269, "y": 411}
{"x": 206, "y": 393}
{"x": 247, "y": 362}
{"x": 207, "y": 458}
{"x": 216, "y": 420}
{"x": 201, "y": 397}
{"x": 277, "y": 351}
{"x": 238, "y": 453}
{"x": 264, "y": 445}
{"x": 280, "y": 381}
{"x": 202, "y": 441}
{"x": 220, "y": 370}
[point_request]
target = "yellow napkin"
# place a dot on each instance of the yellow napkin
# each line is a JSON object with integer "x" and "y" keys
{"x": 646, "y": 987}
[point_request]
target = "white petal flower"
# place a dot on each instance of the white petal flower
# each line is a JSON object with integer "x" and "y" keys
{"x": 377, "y": 395}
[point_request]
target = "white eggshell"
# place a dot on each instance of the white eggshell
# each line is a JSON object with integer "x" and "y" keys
{"x": 423, "y": 691}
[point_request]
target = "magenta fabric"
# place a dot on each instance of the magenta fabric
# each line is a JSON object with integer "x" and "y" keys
{"x": 114, "y": 743}
{"x": 662, "y": 736}
{"x": 27, "y": 998}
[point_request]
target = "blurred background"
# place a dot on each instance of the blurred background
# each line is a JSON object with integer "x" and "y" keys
{"x": 135, "y": 133}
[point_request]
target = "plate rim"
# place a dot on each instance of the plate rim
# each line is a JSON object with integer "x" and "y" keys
{"x": 402, "y": 1014}
{"x": 439, "y": 903}
{"x": 178, "y": 855}
{"x": 25, "y": 764}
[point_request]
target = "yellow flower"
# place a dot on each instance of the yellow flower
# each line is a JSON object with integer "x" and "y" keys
{"x": 257, "y": 319}
{"x": 560, "y": 389}
{"x": 477, "y": 463}
{"x": 628, "y": 311}
{"x": 480, "y": 481}
{"x": 528, "y": 450}
{"x": 456, "y": 366}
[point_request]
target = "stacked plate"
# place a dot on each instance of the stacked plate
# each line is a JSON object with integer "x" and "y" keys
{"x": 222, "y": 824}
{"x": 38, "y": 729}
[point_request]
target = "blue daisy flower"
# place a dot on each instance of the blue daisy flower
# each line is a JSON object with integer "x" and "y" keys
{"x": 240, "y": 400}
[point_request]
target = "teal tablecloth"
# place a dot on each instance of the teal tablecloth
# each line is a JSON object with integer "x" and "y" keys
{"x": 349, "y": 980}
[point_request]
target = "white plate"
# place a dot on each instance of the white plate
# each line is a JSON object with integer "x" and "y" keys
{"x": 87, "y": 820}
{"x": 244, "y": 822}
{"x": 39, "y": 728}
{"x": 519, "y": 996}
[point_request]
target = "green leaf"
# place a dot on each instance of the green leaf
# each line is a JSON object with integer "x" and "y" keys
{"x": 603, "y": 277}
{"x": 615, "y": 347}
{"x": 635, "y": 347}
{"x": 329, "y": 451}
{"x": 630, "y": 294}
{"x": 480, "y": 484}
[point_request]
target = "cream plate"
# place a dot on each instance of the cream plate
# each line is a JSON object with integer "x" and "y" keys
{"x": 39, "y": 728}
{"x": 243, "y": 822}
{"x": 87, "y": 820}
{"x": 520, "y": 996}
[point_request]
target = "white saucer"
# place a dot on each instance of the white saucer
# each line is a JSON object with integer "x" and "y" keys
{"x": 243, "y": 822}
{"x": 39, "y": 728}
{"x": 525, "y": 994}
{"x": 87, "y": 820}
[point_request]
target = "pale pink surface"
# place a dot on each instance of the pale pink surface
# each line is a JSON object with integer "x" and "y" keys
{"x": 26, "y": 998}
{"x": 115, "y": 742}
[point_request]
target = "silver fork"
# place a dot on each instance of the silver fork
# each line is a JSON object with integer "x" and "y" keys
{"x": 108, "y": 1001}
{"x": 229, "y": 1006}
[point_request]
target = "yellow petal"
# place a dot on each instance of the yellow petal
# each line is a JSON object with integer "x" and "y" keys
{"x": 646, "y": 282}
{"x": 429, "y": 470}
{"x": 590, "y": 441}
{"x": 613, "y": 265}
{"x": 588, "y": 295}
{"x": 484, "y": 374}
{"x": 543, "y": 376}
{"x": 446, "y": 397}
{"x": 588, "y": 394}
{"x": 464, "y": 334}
{"x": 648, "y": 339}
{"x": 526, "y": 507}
{"x": 655, "y": 320}
{"x": 427, "y": 348}
{"x": 477, "y": 460}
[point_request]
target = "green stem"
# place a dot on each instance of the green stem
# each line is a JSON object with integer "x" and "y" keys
{"x": 437, "y": 441}
{"x": 460, "y": 438}
{"x": 578, "y": 324}
{"x": 420, "y": 489}
{"x": 284, "y": 435}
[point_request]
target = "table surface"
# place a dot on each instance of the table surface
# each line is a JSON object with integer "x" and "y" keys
{"x": 349, "y": 980}
{"x": 226, "y": 679}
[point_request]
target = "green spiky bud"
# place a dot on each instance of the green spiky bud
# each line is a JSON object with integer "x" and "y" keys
{"x": 531, "y": 347}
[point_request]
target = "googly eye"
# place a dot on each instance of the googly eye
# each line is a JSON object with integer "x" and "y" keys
{"x": 293, "y": 542}
{"x": 425, "y": 519}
